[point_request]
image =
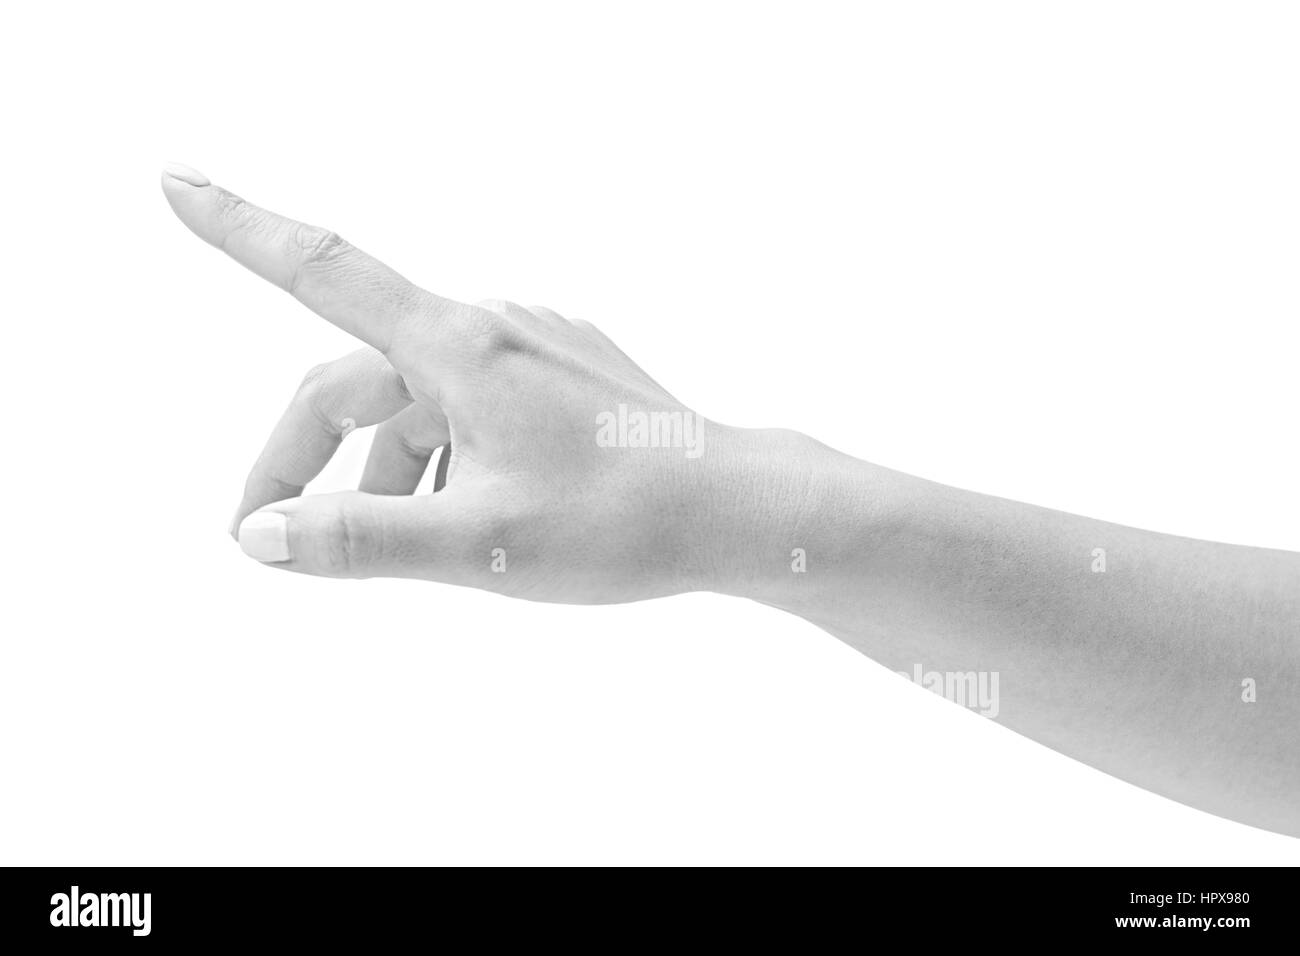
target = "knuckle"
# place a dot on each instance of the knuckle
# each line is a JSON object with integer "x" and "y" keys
{"x": 316, "y": 244}
{"x": 231, "y": 207}
{"x": 235, "y": 214}
{"x": 542, "y": 312}
{"x": 414, "y": 446}
{"x": 311, "y": 247}
{"x": 510, "y": 311}
{"x": 315, "y": 375}
{"x": 348, "y": 543}
{"x": 489, "y": 336}
{"x": 314, "y": 394}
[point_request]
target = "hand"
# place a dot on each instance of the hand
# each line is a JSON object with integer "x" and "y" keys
{"x": 573, "y": 476}
{"x": 551, "y": 495}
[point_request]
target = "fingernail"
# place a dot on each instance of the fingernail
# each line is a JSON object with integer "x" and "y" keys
{"x": 264, "y": 536}
{"x": 186, "y": 174}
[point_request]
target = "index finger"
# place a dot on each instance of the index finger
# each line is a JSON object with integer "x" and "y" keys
{"x": 330, "y": 276}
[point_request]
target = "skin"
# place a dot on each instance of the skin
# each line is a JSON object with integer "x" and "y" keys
{"x": 1137, "y": 671}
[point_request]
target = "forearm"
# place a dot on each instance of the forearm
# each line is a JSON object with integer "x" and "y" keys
{"x": 1136, "y": 669}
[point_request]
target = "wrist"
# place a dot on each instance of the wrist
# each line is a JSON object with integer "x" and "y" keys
{"x": 780, "y": 513}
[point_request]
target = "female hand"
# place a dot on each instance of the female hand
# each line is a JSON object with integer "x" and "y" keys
{"x": 573, "y": 475}
{"x": 1137, "y": 671}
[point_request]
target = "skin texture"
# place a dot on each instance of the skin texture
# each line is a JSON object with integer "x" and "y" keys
{"x": 1137, "y": 670}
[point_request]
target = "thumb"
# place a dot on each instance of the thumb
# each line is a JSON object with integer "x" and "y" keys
{"x": 356, "y": 535}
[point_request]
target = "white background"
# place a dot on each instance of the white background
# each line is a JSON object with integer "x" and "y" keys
{"x": 1046, "y": 251}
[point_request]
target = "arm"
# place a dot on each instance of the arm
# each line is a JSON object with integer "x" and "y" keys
{"x": 1135, "y": 666}
{"x": 573, "y": 476}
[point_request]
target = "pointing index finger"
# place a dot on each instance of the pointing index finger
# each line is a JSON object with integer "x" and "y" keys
{"x": 330, "y": 276}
